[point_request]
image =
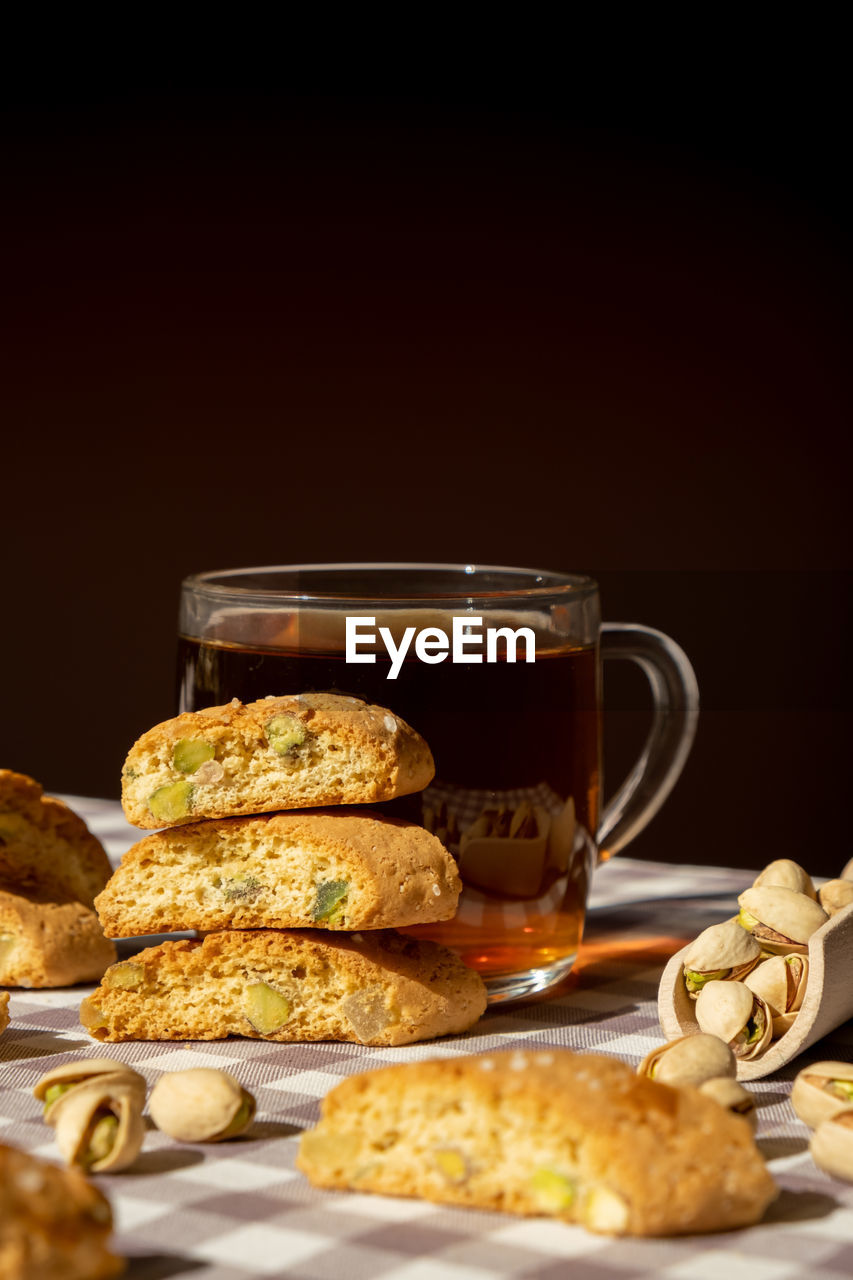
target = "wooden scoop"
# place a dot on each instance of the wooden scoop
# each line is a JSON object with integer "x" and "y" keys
{"x": 827, "y": 1004}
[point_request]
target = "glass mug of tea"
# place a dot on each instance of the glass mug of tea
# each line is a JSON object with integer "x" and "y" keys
{"x": 499, "y": 669}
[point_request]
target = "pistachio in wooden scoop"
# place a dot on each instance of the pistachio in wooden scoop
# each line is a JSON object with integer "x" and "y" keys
{"x": 781, "y": 983}
{"x": 735, "y": 1014}
{"x": 835, "y": 895}
{"x": 722, "y": 952}
{"x": 781, "y": 919}
{"x": 785, "y": 874}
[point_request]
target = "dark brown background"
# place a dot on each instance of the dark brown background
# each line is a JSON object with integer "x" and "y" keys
{"x": 483, "y": 320}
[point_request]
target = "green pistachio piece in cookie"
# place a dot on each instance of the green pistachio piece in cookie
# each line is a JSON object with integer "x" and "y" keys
{"x": 285, "y": 733}
{"x": 330, "y": 900}
{"x": 171, "y": 802}
{"x": 451, "y": 1164}
{"x": 241, "y": 888}
{"x": 266, "y": 1009}
{"x": 191, "y": 753}
{"x": 554, "y": 1192}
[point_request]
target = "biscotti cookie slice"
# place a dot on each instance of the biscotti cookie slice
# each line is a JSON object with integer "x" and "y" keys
{"x": 297, "y": 752}
{"x": 374, "y": 988}
{"x": 44, "y": 943}
{"x": 54, "y": 1225}
{"x": 44, "y": 846}
{"x": 336, "y": 869}
{"x": 574, "y": 1136}
{"x": 4, "y": 1010}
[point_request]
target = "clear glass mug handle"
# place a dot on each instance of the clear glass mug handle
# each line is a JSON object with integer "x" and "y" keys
{"x": 676, "y": 712}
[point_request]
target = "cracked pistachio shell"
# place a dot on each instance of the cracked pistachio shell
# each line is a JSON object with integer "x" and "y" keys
{"x": 77, "y": 1112}
{"x": 785, "y": 874}
{"x": 722, "y": 946}
{"x": 72, "y": 1074}
{"x": 784, "y": 919}
{"x": 821, "y": 1090}
{"x": 781, "y": 983}
{"x": 831, "y": 1146}
{"x": 202, "y": 1104}
{"x": 835, "y": 895}
{"x": 724, "y": 1008}
{"x": 731, "y": 1095}
{"x": 689, "y": 1060}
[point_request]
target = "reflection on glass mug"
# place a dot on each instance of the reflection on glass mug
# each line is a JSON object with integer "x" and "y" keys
{"x": 500, "y": 671}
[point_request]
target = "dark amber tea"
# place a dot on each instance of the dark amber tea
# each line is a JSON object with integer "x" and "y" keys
{"x": 498, "y": 669}
{"x": 516, "y": 748}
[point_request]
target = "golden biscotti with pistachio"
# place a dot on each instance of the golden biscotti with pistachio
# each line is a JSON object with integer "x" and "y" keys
{"x": 4, "y": 1011}
{"x": 54, "y": 1225}
{"x": 302, "y": 751}
{"x": 377, "y": 988}
{"x": 573, "y": 1136}
{"x": 335, "y": 869}
{"x": 44, "y": 846}
{"x": 47, "y": 943}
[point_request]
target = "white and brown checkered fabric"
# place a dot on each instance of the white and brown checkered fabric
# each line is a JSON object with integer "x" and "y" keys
{"x": 240, "y": 1209}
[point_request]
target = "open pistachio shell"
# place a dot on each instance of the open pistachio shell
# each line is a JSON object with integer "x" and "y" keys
{"x": 781, "y": 983}
{"x": 56, "y": 1084}
{"x": 835, "y": 895}
{"x": 689, "y": 1060}
{"x": 80, "y": 1112}
{"x": 831, "y": 1146}
{"x": 731, "y": 1095}
{"x": 821, "y": 1090}
{"x": 724, "y": 951}
{"x": 781, "y": 919}
{"x": 785, "y": 874}
{"x": 735, "y": 1014}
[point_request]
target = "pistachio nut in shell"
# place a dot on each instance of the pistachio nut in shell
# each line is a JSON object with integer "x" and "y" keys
{"x": 57, "y": 1083}
{"x": 786, "y": 874}
{"x": 781, "y": 983}
{"x": 689, "y": 1060}
{"x": 781, "y": 919}
{"x": 847, "y": 872}
{"x": 735, "y": 1014}
{"x": 831, "y": 1146}
{"x": 202, "y": 1104}
{"x": 99, "y": 1126}
{"x": 835, "y": 895}
{"x": 821, "y": 1090}
{"x": 723, "y": 952}
{"x": 731, "y": 1095}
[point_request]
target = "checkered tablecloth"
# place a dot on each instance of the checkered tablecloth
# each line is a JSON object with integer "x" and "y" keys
{"x": 240, "y": 1209}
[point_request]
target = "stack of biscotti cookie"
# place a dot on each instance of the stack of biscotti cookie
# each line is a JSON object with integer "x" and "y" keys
{"x": 51, "y": 868}
{"x": 263, "y": 848}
